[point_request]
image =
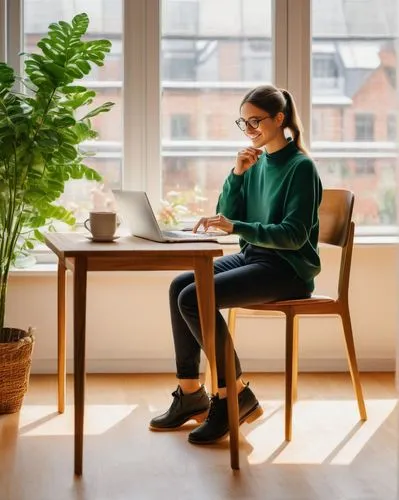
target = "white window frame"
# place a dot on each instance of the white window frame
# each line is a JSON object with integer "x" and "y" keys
{"x": 12, "y": 13}
{"x": 3, "y": 30}
{"x": 142, "y": 97}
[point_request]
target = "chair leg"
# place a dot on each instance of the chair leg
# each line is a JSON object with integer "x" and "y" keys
{"x": 208, "y": 378}
{"x": 351, "y": 354}
{"x": 61, "y": 336}
{"x": 289, "y": 370}
{"x": 231, "y": 322}
{"x": 295, "y": 359}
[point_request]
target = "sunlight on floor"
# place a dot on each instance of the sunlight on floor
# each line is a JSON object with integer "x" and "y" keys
{"x": 42, "y": 420}
{"x": 323, "y": 431}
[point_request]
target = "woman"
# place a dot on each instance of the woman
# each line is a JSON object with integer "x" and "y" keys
{"x": 270, "y": 200}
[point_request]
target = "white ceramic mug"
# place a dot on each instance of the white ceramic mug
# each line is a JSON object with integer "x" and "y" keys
{"x": 102, "y": 225}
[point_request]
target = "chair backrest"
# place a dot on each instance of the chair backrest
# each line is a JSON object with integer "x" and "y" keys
{"x": 335, "y": 215}
{"x": 337, "y": 228}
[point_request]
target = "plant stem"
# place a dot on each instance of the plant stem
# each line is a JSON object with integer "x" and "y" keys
{"x": 9, "y": 240}
{"x": 3, "y": 293}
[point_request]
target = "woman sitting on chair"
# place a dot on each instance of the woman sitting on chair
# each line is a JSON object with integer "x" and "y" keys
{"x": 270, "y": 200}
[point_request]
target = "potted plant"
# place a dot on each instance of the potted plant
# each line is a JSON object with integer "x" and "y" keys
{"x": 41, "y": 129}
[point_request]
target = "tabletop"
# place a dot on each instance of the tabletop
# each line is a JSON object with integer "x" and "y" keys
{"x": 76, "y": 244}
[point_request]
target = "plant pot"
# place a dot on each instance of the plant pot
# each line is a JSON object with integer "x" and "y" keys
{"x": 15, "y": 361}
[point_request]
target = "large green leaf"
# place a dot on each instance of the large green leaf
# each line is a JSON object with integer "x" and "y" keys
{"x": 79, "y": 99}
{"x": 7, "y": 77}
{"x": 100, "y": 109}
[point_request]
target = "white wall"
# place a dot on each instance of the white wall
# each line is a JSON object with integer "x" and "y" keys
{"x": 128, "y": 326}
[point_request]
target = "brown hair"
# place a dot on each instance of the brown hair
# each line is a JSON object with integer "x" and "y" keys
{"x": 273, "y": 101}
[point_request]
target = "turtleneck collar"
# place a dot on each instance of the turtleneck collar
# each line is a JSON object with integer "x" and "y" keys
{"x": 282, "y": 154}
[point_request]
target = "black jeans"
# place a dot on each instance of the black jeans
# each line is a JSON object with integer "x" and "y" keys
{"x": 252, "y": 276}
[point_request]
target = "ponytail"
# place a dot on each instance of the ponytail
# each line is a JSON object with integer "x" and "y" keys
{"x": 293, "y": 122}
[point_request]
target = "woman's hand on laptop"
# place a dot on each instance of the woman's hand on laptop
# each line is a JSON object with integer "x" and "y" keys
{"x": 216, "y": 222}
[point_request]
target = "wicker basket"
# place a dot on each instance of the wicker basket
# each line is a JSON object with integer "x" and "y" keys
{"x": 15, "y": 363}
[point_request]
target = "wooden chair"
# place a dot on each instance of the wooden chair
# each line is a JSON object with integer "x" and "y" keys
{"x": 336, "y": 228}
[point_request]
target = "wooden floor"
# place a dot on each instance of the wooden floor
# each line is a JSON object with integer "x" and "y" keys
{"x": 331, "y": 457}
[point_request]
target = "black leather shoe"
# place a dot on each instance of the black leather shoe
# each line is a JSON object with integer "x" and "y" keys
{"x": 184, "y": 407}
{"x": 216, "y": 426}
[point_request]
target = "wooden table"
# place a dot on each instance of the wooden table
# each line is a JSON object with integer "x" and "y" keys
{"x": 80, "y": 255}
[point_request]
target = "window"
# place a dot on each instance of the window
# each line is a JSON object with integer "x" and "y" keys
{"x": 179, "y": 70}
{"x": 354, "y": 43}
{"x": 364, "y": 123}
{"x": 206, "y": 69}
{"x": 325, "y": 71}
{"x": 364, "y": 166}
{"x": 179, "y": 59}
{"x": 315, "y": 126}
{"x": 180, "y": 16}
{"x": 256, "y": 60}
{"x": 324, "y": 66}
{"x": 180, "y": 127}
{"x": 392, "y": 121}
{"x": 390, "y": 71}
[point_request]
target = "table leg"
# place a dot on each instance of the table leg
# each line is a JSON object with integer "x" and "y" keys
{"x": 61, "y": 295}
{"x": 206, "y": 307}
{"x": 79, "y": 345}
{"x": 232, "y": 403}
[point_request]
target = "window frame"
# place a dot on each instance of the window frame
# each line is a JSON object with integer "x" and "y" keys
{"x": 3, "y": 30}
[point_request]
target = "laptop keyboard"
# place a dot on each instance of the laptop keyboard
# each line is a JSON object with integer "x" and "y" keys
{"x": 185, "y": 234}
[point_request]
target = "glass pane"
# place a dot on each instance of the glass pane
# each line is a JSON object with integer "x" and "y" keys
{"x": 354, "y": 103}
{"x": 105, "y": 22}
{"x": 209, "y": 61}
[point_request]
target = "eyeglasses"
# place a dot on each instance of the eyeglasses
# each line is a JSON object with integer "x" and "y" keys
{"x": 252, "y": 122}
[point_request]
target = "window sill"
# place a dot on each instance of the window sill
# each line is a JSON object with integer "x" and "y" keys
{"x": 376, "y": 240}
{"x": 39, "y": 269}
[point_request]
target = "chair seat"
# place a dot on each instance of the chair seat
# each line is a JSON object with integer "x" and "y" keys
{"x": 311, "y": 301}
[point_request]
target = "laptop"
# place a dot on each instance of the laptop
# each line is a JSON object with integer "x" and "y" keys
{"x": 138, "y": 217}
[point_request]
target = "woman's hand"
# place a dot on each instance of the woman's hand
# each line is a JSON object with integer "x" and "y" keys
{"x": 217, "y": 221}
{"x": 246, "y": 159}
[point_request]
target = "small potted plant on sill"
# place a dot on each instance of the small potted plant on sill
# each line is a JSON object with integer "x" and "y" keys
{"x": 40, "y": 133}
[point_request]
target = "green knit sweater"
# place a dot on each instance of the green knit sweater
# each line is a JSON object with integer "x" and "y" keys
{"x": 275, "y": 205}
